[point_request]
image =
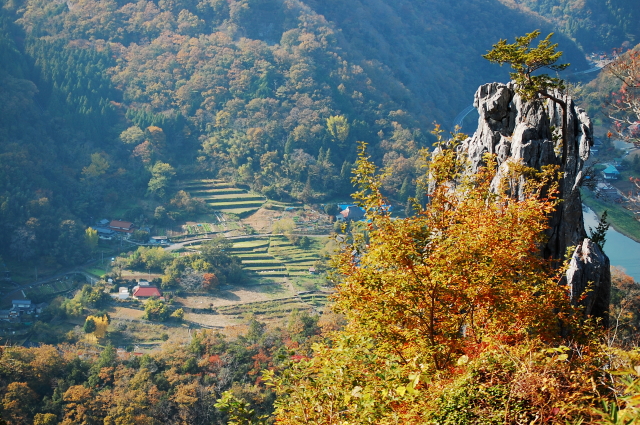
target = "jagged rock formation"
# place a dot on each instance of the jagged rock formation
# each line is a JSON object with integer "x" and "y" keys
{"x": 531, "y": 131}
{"x": 589, "y": 274}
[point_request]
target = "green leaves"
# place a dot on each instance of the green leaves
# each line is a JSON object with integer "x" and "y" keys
{"x": 525, "y": 60}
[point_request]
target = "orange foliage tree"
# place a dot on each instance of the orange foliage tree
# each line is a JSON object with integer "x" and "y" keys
{"x": 429, "y": 294}
{"x": 466, "y": 266}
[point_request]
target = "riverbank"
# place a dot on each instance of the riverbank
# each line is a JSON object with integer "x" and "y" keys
{"x": 623, "y": 252}
{"x": 621, "y": 219}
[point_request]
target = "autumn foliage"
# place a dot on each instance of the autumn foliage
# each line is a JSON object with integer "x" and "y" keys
{"x": 454, "y": 315}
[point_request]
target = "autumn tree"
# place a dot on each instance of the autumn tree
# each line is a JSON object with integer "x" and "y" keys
{"x": 91, "y": 238}
{"x": 178, "y": 314}
{"x": 98, "y": 167}
{"x": 156, "y": 310}
{"x": 45, "y": 419}
{"x": 210, "y": 282}
{"x": 425, "y": 292}
{"x": 338, "y": 127}
{"x": 18, "y": 402}
{"x": 161, "y": 175}
{"x": 624, "y": 105}
{"x": 132, "y": 136}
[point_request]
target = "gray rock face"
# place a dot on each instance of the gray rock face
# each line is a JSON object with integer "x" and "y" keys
{"x": 589, "y": 274}
{"x": 532, "y": 131}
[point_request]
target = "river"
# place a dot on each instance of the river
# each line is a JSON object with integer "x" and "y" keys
{"x": 622, "y": 251}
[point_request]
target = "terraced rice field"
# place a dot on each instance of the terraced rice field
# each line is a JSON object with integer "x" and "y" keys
{"x": 222, "y": 196}
{"x": 49, "y": 290}
{"x": 297, "y": 260}
{"x": 273, "y": 309}
{"x": 255, "y": 257}
{"x": 276, "y": 257}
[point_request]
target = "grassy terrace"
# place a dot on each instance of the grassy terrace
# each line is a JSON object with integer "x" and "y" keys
{"x": 277, "y": 308}
{"x": 222, "y": 196}
{"x": 270, "y": 309}
{"x": 203, "y": 193}
{"x": 298, "y": 260}
{"x": 277, "y": 257}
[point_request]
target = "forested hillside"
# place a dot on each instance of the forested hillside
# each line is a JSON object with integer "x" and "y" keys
{"x": 594, "y": 24}
{"x": 115, "y": 100}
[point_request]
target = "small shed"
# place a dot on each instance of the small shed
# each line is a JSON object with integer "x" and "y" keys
{"x": 159, "y": 240}
{"x": 123, "y": 293}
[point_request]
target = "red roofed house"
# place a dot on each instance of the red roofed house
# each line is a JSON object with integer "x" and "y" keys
{"x": 144, "y": 292}
{"x": 121, "y": 226}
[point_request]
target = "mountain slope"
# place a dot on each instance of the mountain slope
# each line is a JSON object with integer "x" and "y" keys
{"x": 273, "y": 94}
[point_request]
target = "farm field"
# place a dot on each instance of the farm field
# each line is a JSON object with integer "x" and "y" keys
{"x": 222, "y": 196}
{"x": 272, "y": 257}
{"x": 278, "y": 276}
{"x": 298, "y": 261}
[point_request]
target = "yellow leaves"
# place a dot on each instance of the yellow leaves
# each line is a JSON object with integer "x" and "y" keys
{"x": 469, "y": 260}
{"x": 101, "y": 323}
{"x": 99, "y": 166}
{"x": 186, "y": 394}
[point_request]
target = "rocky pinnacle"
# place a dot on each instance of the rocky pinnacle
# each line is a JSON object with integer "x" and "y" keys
{"x": 531, "y": 131}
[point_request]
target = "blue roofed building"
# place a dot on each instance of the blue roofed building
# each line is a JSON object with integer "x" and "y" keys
{"x": 611, "y": 173}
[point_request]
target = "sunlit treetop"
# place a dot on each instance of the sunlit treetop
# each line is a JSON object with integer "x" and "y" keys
{"x": 526, "y": 60}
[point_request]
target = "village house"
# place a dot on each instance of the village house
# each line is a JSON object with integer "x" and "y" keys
{"x": 121, "y": 226}
{"x": 611, "y": 173}
{"x": 608, "y": 192}
{"x": 145, "y": 292}
{"x": 20, "y": 309}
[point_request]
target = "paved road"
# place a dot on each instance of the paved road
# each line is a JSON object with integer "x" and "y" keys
{"x": 457, "y": 121}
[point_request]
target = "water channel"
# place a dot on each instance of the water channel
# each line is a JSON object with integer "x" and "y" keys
{"x": 622, "y": 251}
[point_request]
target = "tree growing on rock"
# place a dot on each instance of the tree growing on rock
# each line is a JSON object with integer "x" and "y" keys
{"x": 525, "y": 61}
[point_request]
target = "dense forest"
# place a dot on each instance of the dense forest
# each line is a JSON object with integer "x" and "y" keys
{"x": 108, "y": 103}
{"x": 76, "y": 384}
{"x": 595, "y": 25}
